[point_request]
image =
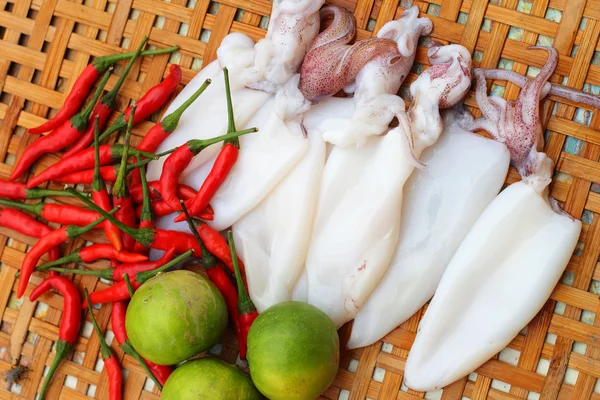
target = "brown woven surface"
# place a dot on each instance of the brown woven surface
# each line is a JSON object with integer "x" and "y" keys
{"x": 44, "y": 43}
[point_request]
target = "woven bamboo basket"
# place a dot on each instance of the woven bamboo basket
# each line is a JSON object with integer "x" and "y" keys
{"x": 44, "y": 43}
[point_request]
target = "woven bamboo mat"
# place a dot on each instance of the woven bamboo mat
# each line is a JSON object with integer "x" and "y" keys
{"x": 44, "y": 43}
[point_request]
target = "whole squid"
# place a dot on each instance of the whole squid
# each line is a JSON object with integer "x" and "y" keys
{"x": 357, "y": 224}
{"x": 511, "y": 259}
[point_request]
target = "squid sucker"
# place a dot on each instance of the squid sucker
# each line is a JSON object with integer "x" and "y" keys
{"x": 510, "y": 261}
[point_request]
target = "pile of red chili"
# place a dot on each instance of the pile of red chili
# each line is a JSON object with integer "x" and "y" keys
{"x": 135, "y": 203}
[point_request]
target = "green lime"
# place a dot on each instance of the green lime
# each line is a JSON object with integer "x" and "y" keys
{"x": 209, "y": 379}
{"x": 293, "y": 352}
{"x": 175, "y": 316}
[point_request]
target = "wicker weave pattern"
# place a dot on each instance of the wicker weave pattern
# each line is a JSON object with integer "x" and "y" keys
{"x": 44, "y": 43}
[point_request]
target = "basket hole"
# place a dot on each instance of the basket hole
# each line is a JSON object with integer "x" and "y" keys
{"x": 434, "y": 395}
{"x": 588, "y": 317}
{"x": 571, "y": 376}
{"x": 134, "y": 14}
{"x": 91, "y": 392}
{"x": 524, "y": 6}
{"x": 464, "y": 17}
{"x": 159, "y": 22}
{"x": 213, "y": 8}
{"x": 501, "y": 386}
{"x": 344, "y": 395}
{"x": 497, "y": 90}
{"x": 434, "y": 10}
{"x": 487, "y": 24}
{"x": 417, "y": 67}
{"x": 353, "y": 365}
{"x": 205, "y": 35}
{"x": 378, "y": 374}
{"x": 505, "y": 64}
{"x": 478, "y": 56}
{"x": 545, "y": 41}
{"x": 533, "y": 396}
{"x": 183, "y": 29}
{"x": 509, "y": 356}
{"x": 552, "y": 14}
{"x": 239, "y": 14}
{"x": 264, "y": 22}
{"x": 71, "y": 382}
{"x": 371, "y": 25}
{"x": 515, "y": 33}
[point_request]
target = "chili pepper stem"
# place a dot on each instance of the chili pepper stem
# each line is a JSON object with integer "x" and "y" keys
{"x": 120, "y": 187}
{"x": 169, "y": 123}
{"x": 62, "y": 350}
{"x": 37, "y": 193}
{"x": 104, "y": 349}
{"x": 142, "y": 277}
{"x": 208, "y": 260}
{"x": 73, "y": 257}
{"x": 230, "y": 118}
{"x": 97, "y": 182}
{"x": 128, "y": 349}
{"x": 146, "y": 214}
{"x": 80, "y": 120}
{"x": 197, "y": 145}
{"x": 245, "y": 305}
{"x": 101, "y": 63}
{"x": 109, "y": 98}
{"x": 144, "y": 236}
{"x": 32, "y": 208}
{"x": 128, "y": 283}
{"x": 100, "y": 273}
{"x": 74, "y": 231}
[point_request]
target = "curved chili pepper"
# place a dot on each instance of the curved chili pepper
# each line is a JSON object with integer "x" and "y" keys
{"x": 135, "y": 191}
{"x": 146, "y": 216}
{"x": 116, "y": 273}
{"x": 180, "y": 159}
{"x": 150, "y": 102}
{"x": 217, "y": 276}
{"x": 83, "y": 84}
{"x": 160, "y": 208}
{"x": 70, "y": 322}
{"x": 119, "y": 291}
{"x": 64, "y": 214}
{"x": 215, "y": 243}
{"x": 119, "y": 309}
{"x": 222, "y": 165}
{"x": 53, "y": 239}
{"x": 106, "y": 105}
{"x": 25, "y": 225}
{"x": 100, "y": 197}
{"x": 108, "y": 173}
{"x": 246, "y": 309}
{"x": 18, "y": 191}
{"x": 83, "y": 160}
{"x": 159, "y": 132}
{"x": 120, "y": 193}
{"x": 93, "y": 253}
{"x": 59, "y": 138}
{"x": 113, "y": 369}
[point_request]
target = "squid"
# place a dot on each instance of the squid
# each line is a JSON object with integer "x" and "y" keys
{"x": 357, "y": 224}
{"x": 522, "y": 240}
{"x": 273, "y": 237}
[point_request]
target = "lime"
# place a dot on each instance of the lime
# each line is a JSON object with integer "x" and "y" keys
{"x": 175, "y": 316}
{"x": 293, "y": 352}
{"x": 209, "y": 379}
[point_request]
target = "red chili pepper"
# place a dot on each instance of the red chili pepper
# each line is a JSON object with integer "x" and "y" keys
{"x": 222, "y": 166}
{"x": 180, "y": 159}
{"x": 93, "y": 253}
{"x": 100, "y": 197}
{"x": 64, "y": 214}
{"x": 18, "y": 191}
{"x": 135, "y": 191}
{"x": 119, "y": 291}
{"x": 83, "y": 84}
{"x": 120, "y": 193}
{"x": 217, "y": 276}
{"x": 59, "y": 138}
{"x": 25, "y": 225}
{"x": 146, "y": 215}
{"x": 150, "y": 102}
{"x": 159, "y": 132}
{"x": 113, "y": 369}
{"x": 53, "y": 239}
{"x": 108, "y": 173}
{"x": 246, "y": 308}
{"x": 158, "y": 373}
{"x": 70, "y": 322}
{"x": 82, "y": 161}
{"x": 215, "y": 243}
{"x": 106, "y": 106}
{"x": 161, "y": 208}
{"x": 116, "y": 273}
